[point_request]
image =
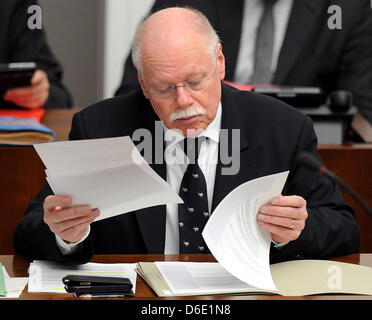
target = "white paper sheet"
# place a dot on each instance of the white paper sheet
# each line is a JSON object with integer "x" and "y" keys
{"x": 234, "y": 237}
{"x": 14, "y": 285}
{"x": 108, "y": 174}
{"x": 46, "y": 276}
{"x": 86, "y": 155}
{"x": 199, "y": 278}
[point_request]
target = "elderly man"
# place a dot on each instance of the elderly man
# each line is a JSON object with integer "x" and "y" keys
{"x": 180, "y": 66}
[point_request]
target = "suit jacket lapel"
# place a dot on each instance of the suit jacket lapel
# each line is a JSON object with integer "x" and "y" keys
{"x": 250, "y": 157}
{"x": 152, "y": 220}
{"x": 303, "y": 18}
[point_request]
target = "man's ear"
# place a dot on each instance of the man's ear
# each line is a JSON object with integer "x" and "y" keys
{"x": 139, "y": 77}
{"x": 220, "y": 61}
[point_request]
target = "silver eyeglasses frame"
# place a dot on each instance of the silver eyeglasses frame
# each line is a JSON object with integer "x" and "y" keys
{"x": 192, "y": 85}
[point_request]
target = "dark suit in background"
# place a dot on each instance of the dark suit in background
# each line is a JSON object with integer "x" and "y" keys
{"x": 272, "y": 134}
{"x": 20, "y": 44}
{"x": 311, "y": 54}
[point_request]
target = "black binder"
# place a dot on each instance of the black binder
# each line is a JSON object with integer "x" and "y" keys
{"x": 96, "y": 286}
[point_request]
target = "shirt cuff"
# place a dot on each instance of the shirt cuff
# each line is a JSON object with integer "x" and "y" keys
{"x": 68, "y": 248}
{"x": 279, "y": 245}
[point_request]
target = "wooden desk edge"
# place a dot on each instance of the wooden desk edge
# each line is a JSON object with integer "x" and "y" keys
{"x": 17, "y": 266}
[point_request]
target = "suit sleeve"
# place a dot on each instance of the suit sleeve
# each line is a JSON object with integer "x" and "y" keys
{"x": 33, "y": 238}
{"x": 331, "y": 228}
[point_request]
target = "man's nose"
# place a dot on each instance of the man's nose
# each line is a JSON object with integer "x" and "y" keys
{"x": 183, "y": 96}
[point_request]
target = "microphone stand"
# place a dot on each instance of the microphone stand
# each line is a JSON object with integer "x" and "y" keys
{"x": 309, "y": 161}
{"x": 348, "y": 190}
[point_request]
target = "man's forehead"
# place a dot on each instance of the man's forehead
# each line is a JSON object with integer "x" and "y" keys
{"x": 187, "y": 64}
{"x": 159, "y": 79}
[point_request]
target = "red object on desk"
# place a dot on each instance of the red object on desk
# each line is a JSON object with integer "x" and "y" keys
{"x": 248, "y": 87}
{"x": 37, "y": 114}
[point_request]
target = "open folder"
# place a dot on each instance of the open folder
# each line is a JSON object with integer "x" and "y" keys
{"x": 242, "y": 250}
{"x": 292, "y": 278}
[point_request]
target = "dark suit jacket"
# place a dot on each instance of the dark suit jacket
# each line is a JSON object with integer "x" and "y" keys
{"x": 272, "y": 134}
{"x": 311, "y": 54}
{"x": 20, "y": 44}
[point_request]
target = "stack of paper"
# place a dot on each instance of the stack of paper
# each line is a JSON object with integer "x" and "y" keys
{"x": 47, "y": 276}
{"x": 11, "y": 287}
{"x": 108, "y": 174}
{"x": 192, "y": 278}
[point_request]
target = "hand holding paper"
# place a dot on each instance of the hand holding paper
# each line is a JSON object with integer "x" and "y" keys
{"x": 97, "y": 179}
{"x": 69, "y": 223}
{"x": 284, "y": 217}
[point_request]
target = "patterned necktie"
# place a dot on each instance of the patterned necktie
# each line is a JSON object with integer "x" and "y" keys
{"x": 264, "y": 46}
{"x": 193, "y": 214}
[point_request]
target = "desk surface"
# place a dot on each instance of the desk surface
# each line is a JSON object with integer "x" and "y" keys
{"x": 59, "y": 120}
{"x": 17, "y": 266}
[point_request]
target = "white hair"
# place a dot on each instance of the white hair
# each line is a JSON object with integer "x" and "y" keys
{"x": 202, "y": 25}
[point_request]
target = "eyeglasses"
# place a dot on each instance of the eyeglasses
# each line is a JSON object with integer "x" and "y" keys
{"x": 190, "y": 85}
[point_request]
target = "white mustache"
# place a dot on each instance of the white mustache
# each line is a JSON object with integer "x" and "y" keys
{"x": 187, "y": 113}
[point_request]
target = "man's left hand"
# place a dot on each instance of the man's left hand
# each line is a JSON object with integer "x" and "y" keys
{"x": 284, "y": 217}
{"x": 32, "y": 97}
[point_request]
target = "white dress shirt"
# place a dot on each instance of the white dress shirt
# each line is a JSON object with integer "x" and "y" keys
{"x": 208, "y": 159}
{"x": 253, "y": 10}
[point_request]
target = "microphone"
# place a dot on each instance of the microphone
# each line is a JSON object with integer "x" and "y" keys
{"x": 308, "y": 160}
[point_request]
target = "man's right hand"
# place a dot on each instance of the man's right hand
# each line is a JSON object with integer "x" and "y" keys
{"x": 69, "y": 223}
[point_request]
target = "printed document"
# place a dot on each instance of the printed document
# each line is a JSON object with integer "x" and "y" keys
{"x": 46, "y": 276}
{"x": 197, "y": 278}
{"x": 234, "y": 237}
{"x": 108, "y": 174}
